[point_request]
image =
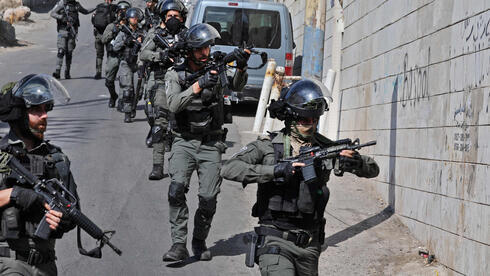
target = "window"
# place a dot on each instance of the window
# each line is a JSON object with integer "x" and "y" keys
{"x": 260, "y": 28}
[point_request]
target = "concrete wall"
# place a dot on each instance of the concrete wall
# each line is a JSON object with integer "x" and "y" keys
{"x": 416, "y": 77}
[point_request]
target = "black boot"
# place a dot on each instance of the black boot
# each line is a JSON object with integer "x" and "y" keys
{"x": 56, "y": 74}
{"x": 67, "y": 74}
{"x": 98, "y": 75}
{"x": 112, "y": 102}
{"x": 127, "y": 117}
{"x": 177, "y": 252}
{"x": 200, "y": 250}
{"x": 157, "y": 172}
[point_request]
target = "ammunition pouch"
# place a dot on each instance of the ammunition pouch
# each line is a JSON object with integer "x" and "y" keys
{"x": 11, "y": 224}
{"x": 208, "y": 96}
{"x": 35, "y": 257}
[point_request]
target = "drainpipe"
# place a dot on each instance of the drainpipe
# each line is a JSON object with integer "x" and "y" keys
{"x": 333, "y": 122}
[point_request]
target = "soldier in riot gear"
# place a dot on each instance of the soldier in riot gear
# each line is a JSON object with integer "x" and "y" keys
{"x": 151, "y": 15}
{"x": 66, "y": 14}
{"x": 105, "y": 13}
{"x": 159, "y": 58}
{"x": 113, "y": 57}
{"x": 199, "y": 139}
{"x": 24, "y": 105}
{"x": 291, "y": 219}
{"x": 128, "y": 43}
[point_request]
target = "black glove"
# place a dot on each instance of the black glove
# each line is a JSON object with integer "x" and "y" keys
{"x": 241, "y": 58}
{"x": 284, "y": 170}
{"x": 25, "y": 199}
{"x": 129, "y": 41}
{"x": 208, "y": 80}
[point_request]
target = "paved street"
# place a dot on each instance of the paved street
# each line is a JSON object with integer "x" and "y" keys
{"x": 111, "y": 164}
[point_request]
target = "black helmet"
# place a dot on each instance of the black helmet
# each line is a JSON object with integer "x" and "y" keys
{"x": 32, "y": 90}
{"x": 123, "y": 5}
{"x": 164, "y": 6}
{"x": 135, "y": 13}
{"x": 201, "y": 35}
{"x": 304, "y": 99}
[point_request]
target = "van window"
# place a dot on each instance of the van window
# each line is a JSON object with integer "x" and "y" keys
{"x": 262, "y": 28}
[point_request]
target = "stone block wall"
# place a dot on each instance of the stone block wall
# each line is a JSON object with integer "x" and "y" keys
{"x": 416, "y": 77}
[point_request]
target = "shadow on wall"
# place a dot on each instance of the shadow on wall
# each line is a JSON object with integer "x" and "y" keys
{"x": 40, "y": 6}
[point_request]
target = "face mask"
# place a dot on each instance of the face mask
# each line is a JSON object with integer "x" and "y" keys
{"x": 173, "y": 25}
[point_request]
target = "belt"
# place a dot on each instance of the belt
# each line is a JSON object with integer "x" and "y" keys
{"x": 300, "y": 238}
{"x": 31, "y": 257}
{"x": 203, "y": 138}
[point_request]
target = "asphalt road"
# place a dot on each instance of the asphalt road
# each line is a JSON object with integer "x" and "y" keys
{"x": 111, "y": 164}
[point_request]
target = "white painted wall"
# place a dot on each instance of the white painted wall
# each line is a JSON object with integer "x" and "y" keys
{"x": 416, "y": 77}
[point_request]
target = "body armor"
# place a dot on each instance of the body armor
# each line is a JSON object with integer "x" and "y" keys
{"x": 157, "y": 67}
{"x": 294, "y": 204}
{"x": 16, "y": 225}
{"x": 71, "y": 9}
{"x": 197, "y": 118}
{"x": 130, "y": 54}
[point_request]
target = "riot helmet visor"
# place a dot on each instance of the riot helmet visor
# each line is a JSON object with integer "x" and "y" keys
{"x": 41, "y": 89}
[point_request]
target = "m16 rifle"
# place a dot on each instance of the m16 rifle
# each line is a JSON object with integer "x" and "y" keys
{"x": 61, "y": 200}
{"x": 133, "y": 35}
{"x": 219, "y": 61}
{"x": 311, "y": 155}
{"x": 70, "y": 22}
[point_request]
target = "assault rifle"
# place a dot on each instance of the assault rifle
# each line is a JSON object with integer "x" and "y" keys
{"x": 311, "y": 155}
{"x": 177, "y": 49}
{"x": 56, "y": 195}
{"x": 69, "y": 23}
{"x": 133, "y": 35}
{"x": 219, "y": 61}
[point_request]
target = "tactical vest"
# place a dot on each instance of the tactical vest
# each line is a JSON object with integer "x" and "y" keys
{"x": 72, "y": 10}
{"x": 14, "y": 223}
{"x": 294, "y": 204}
{"x": 198, "y": 119}
{"x": 160, "y": 69}
{"x": 130, "y": 54}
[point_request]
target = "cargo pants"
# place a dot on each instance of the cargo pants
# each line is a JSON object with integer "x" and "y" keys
{"x": 185, "y": 157}
{"x": 66, "y": 44}
{"x": 158, "y": 97}
{"x": 302, "y": 261}
{"x": 99, "y": 50}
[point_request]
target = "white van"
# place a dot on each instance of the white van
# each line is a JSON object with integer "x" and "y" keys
{"x": 265, "y": 25}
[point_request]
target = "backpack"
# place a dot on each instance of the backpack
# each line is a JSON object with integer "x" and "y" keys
{"x": 102, "y": 17}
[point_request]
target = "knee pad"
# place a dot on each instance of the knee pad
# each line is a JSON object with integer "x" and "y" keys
{"x": 207, "y": 206}
{"x": 61, "y": 53}
{"x": 156, "y": 134}
{"x": 127, "y": 94}
{"x": 176, "y": 194}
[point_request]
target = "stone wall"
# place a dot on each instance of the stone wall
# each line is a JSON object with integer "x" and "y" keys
{"x": 416, "y": 77}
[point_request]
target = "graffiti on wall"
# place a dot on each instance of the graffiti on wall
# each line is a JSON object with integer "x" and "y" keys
{"x": 475, "y": 35}
{"x": 476, "y": 31}
{"x": 415, "y": 83}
